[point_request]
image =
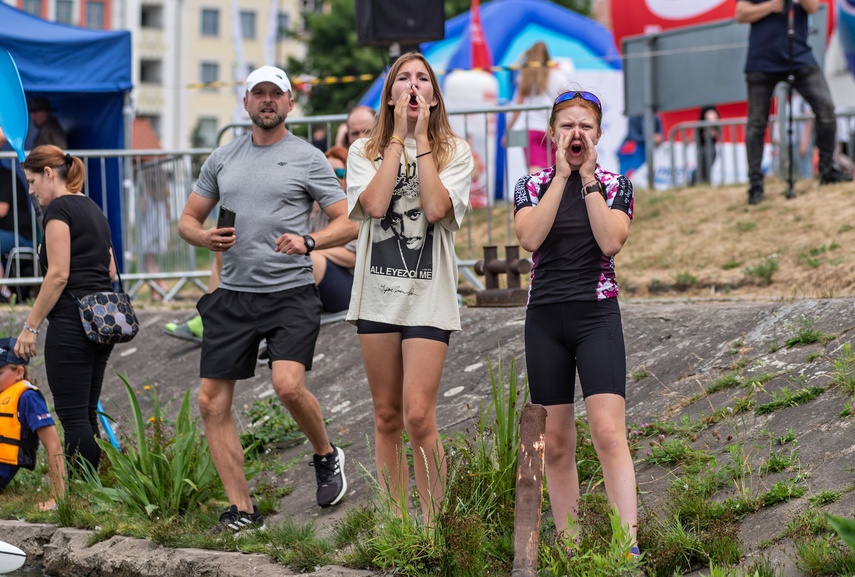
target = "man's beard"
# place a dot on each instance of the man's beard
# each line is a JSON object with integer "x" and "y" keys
{"x": 267, "y": 122}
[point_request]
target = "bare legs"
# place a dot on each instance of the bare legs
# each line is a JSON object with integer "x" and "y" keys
{"x": 607, "y": 419}
{"x": 215, "y": 404}
{"x": 404, "y": 380}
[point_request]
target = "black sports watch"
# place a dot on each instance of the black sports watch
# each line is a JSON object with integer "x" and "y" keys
{"x": 594, "y": 187}
{"x": 310, "y": 243}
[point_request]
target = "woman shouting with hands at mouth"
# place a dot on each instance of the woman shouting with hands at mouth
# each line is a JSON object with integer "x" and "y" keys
{"x": 574, "y": 217}
{"x": 408, "y": 185}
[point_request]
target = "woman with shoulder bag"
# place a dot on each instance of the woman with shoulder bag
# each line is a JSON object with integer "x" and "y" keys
{"x": 78, "y": 259}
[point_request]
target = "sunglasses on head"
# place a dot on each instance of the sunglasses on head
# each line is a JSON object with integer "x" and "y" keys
{"x": 590, "y": 97}
{"x": 340, "y": 172}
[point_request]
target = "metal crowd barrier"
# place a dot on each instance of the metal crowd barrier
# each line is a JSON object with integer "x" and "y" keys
{"x": 155, "y": 184}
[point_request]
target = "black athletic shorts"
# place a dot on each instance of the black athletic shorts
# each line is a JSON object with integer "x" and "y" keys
{"x": 419, "y": 332}
{"x": 235, "y": 322}
{"x": 582, "y": 335}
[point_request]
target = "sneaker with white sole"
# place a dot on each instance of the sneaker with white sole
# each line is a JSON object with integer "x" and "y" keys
{"x": 329, "y": 470}
{"x": 239, "y": 522}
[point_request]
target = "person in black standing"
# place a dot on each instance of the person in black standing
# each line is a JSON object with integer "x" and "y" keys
{"x": 77, "y": 256}
{"x": 772, "y": 56}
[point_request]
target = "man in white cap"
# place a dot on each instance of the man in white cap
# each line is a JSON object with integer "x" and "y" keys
{"x": 269, "y": 178}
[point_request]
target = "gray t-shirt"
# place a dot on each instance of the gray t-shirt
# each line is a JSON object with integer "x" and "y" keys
{"x": 271, "y": 189}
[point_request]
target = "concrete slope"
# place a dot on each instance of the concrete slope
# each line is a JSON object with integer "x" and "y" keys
{"x": 675, "y": 349}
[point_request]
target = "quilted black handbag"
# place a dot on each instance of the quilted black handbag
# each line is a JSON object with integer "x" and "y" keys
{"x": 108, "y": 317}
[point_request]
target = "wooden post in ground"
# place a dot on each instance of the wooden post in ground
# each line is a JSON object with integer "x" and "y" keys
{"x": 529, "y": 497}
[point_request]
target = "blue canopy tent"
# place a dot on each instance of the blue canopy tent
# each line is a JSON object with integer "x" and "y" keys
{"x": 510, "y": 27}
{"x": 86, "y": 75}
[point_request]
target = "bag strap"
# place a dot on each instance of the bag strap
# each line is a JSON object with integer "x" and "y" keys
{"x": 115, "y": 260}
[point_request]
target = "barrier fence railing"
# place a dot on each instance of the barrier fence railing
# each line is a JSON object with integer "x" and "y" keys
{"x": 152, "y": 186}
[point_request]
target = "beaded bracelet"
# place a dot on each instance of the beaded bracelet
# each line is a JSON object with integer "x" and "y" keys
{"x": 423, "y": 154}
{"x": 32, "y": 330}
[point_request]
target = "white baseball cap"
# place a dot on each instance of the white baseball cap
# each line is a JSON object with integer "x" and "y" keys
{"x": 268, "y": 74}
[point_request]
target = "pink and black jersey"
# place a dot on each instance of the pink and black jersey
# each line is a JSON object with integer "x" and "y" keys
{"x": 569, "y": 265}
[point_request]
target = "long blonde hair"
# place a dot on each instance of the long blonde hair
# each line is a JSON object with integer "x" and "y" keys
{"x": 440, "y": 134}
{"x": 534, "y": 77}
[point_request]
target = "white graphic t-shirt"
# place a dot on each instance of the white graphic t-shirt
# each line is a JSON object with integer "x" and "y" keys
{"x": 406, "y": 268}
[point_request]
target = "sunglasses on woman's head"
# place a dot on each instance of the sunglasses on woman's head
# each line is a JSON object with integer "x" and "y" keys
{"x": 590, "y": 97}
{"x": 340, "y": 172}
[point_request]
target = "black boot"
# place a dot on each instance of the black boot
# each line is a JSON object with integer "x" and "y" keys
{"x": 755, "y": 193}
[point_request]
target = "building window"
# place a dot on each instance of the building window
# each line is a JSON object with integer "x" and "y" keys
{"x": 95, "y": 15}
{"x": 151, "y": 72}
{"x": 65, "y": 11}
{"x": 283, "y": 30}
{"x": 210, "y": 22}
{"x": 33, "y": 7}
{"x": 247, "y": 24}
{"x": 209, "y": 72}
{"x": 206, "y": 132}
{"x": 151, "y": 17}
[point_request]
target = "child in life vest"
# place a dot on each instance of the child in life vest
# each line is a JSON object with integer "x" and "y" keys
{"x": 24, "y": 421}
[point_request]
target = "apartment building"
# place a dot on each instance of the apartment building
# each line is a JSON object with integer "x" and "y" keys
{"x": 189, "y": 56}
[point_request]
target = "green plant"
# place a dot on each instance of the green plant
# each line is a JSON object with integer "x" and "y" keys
{"x": 784, "y": 398}
{"x": 676, "y": 451}
{"x": 746, "y": 226}
{"x": 269, "y": 424}
{"x": 844, "y": 527}
{"x": 782, "y": 492}
{"x": 779, "y": 462}
{"x": 162, "y": 470}
{"x": 685, "y": 280}
{"x": 824, "y": 498}
{"x": 808, "y": 334}
{"x": 844, "y": 370}
{"x": 640, "y": 374}
{"x": 724, "y": 382}
{"x": 595, "y": 555}
{"x": 824, "y": 555}
{"x": 763, "y": 271}
{"x": 732, "y": 264}
{"x": 297, "y": 545}
{"x": 789, "y": 437}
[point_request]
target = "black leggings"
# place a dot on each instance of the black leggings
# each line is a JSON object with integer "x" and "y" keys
{"x": 582, "y": 335}
{"x": 75, "y": 369}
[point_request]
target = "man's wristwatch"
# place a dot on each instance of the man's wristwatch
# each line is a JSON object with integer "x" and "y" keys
{"x": 310, "y": 243}
{"x": 592, "y": 188}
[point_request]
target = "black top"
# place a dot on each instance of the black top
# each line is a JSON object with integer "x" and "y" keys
{"x": 89, "y": 270}
{"x": 569, "y": 265}
{"x": 25, "y": 224}
{"x": 769, "y": 43}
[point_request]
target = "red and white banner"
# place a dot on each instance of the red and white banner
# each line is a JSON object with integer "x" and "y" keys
{"x": 634, "y": 17}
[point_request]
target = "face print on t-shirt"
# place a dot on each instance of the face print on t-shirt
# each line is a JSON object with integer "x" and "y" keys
{"x": 403, "y": 239}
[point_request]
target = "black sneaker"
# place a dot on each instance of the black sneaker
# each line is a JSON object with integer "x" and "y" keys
{"x": 755, "y": 194}
{"x": 329, "y": 470}
{"x": 833, "y": 175}
{"x": 239, "y": 522}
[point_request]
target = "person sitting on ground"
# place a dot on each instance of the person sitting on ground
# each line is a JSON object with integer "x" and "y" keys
{"x": 22, "y": 429}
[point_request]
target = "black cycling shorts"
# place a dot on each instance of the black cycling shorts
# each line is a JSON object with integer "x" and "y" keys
{"x": 419, "y": 332}
{"x": 563, "y": 338}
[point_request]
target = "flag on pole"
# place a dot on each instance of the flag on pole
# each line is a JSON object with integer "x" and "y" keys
{"x": 481, "y": 57}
